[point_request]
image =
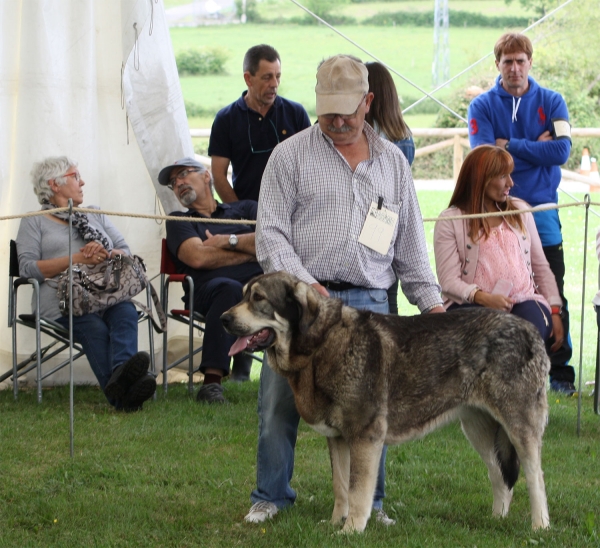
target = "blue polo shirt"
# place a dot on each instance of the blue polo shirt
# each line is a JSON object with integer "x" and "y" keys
{"x": 178, "y": 232}
{"x": 247, "y": 139}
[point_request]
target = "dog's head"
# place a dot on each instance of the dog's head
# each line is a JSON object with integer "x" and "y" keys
{"x": 277, "y": 310}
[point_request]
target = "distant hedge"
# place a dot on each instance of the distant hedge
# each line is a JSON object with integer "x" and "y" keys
{"x": 201, "y": 61}
{"x": 194, "y": 110}
{"x": 456, "y": 19}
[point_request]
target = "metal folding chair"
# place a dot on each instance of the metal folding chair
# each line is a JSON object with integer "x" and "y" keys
{"x": 194, "y": 320}
{"x": 55, "y": 331}
{"x": 188, "y": 316}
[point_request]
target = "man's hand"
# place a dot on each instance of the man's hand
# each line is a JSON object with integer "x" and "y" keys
{"x": 321, "y": 289}
{"x": 218, "y": 240}
{"x": 246, "y": 242}
{"x": 546, "y": 136}
{"x": 501, "y": 143}
{"x": 558, "y": 332}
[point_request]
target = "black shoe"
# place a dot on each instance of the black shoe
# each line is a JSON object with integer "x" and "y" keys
{"x": 126, "y": 375}
{"x": 211, "y": 393}
{"x": 564, "y": 387}
{"x": 141, "y": 390}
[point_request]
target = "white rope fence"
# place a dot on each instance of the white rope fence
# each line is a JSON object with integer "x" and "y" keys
{"x": 586, "y": 203}
{"x": 178, "y": 218}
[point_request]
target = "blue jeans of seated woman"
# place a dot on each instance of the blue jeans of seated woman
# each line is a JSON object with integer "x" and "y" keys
{"x": 108, "y": 338}
{"x": 278, "y": 421}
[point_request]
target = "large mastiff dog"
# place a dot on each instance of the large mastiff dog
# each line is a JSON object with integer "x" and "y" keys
{"x": 365, "y": 380}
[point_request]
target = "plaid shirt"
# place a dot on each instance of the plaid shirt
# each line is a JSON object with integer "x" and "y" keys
{"x": 312, "y": 208}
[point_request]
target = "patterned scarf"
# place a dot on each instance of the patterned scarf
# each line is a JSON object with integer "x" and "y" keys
{"x": 81, "y": 223}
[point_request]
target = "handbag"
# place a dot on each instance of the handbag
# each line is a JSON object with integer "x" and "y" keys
{"x": 98, "y": 287}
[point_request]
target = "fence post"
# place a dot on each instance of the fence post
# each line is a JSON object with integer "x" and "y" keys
{"x": 458, "y": 157}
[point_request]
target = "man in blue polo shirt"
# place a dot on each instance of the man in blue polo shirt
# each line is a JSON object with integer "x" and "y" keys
{"x": 245, "y": 132}
{"x": 220, "y": 258}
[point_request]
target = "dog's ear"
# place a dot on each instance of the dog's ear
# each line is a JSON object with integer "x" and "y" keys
{"x": 307, "y": 299}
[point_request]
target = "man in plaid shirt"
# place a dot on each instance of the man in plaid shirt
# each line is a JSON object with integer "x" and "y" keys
{"x": 337, "y": 209}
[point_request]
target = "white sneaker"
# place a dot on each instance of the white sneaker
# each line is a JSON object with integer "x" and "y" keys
{"x": 383, "y": 518}
{"x": 261, "y": 511}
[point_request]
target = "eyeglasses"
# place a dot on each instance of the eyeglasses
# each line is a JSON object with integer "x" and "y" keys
{"x": 72, "y": 174}
{"x": 345, "y": 117}
{"x": 180, "y": 176}
{"x": 250, "y": 137}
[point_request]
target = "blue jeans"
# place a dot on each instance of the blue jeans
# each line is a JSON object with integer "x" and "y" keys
{"x": 109, "y": 338}
{"x": 278, "y": 421}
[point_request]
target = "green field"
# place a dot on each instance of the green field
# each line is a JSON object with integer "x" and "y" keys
{"x": 179, "y": 475}
{"x": 407, "y": 50}
{"x": 273, "y": 9}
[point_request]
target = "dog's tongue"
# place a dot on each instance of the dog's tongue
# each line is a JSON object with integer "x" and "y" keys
{"x": 239, "y": 345}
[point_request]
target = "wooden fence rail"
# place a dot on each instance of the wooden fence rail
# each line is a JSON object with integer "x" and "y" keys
{"x": 458, "y": 139}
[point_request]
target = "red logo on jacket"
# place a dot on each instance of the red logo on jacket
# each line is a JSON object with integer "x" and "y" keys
{"x": 541, "y": 116}
{"x": 474, "y": 128}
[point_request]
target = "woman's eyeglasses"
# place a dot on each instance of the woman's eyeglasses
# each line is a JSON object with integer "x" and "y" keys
{"x": 72, "y": 174}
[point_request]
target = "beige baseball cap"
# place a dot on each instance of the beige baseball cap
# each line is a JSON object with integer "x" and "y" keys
{"x": 342, "y": 82}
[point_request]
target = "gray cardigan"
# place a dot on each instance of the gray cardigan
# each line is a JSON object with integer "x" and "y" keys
{"x": 40, "y": 238}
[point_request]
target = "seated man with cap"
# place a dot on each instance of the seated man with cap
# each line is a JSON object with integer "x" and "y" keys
{"x": 220, "y": 258}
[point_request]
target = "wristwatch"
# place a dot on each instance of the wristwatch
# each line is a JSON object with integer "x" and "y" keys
{"x": 506, "y": 145}
{"x": 233, "y": 241}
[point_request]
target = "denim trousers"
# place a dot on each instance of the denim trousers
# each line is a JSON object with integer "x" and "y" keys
{"x": 109, "y": 338}
{"x": 278, "y": 421}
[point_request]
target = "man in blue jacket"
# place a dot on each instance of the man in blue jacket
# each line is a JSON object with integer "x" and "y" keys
{"x": 532, "y": 123}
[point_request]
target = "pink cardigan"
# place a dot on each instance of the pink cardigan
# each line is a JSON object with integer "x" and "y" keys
{"x": 456, "y": 257}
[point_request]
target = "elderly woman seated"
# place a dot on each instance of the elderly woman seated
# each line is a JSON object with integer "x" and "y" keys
{"x": 109, "y": 338}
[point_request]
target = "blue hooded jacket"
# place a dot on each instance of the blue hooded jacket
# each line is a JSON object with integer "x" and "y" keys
{"x": 496, "y": 114}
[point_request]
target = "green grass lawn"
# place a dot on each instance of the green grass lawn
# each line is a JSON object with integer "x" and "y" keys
{"x": 179, "y": 474}
{"x": 408, "y": 50}
{"x": 272, "y": 9}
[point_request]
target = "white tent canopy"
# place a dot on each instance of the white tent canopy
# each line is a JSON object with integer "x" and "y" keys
{"x": 66, "y": 69}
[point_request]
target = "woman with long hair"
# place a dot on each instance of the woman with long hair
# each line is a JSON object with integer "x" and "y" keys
{"x": 491, "y": 261}
{"x": 385, "y": 117}
{"x": 385, "y": 114}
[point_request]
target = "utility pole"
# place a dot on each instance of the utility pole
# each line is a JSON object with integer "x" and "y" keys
{"x": 440, "y": 69}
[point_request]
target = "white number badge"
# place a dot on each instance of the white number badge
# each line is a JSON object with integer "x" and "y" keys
{"x": 378, "y": 230}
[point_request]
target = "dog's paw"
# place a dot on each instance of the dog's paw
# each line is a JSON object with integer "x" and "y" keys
{"x": 353, "y": 525}
{"x": 337, "y": 520}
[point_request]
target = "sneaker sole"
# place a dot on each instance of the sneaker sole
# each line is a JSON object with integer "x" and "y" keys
{"x": 141, "y": 391}
{"x": 123, "y": 379}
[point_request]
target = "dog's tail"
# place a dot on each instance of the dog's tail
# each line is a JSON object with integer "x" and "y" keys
{"x": 508, "y": 460}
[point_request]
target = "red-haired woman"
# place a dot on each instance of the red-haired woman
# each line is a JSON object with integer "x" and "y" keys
{"x": 491, "y": 261}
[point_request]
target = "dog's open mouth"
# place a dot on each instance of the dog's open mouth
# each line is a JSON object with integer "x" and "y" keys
{"x": 258, "y": 341}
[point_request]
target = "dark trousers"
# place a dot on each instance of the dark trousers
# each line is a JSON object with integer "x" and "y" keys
{"x": 532, "y": 311}
{"x": 392, "y": 294}
{"x": 213, "y": 299}
{"x": 559, "y": 370}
